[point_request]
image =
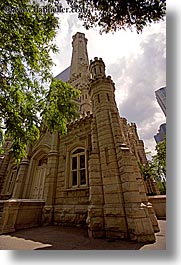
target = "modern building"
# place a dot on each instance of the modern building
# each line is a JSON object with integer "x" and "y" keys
{"x": 88, "y": 177}
{"x": 161, "y": 98}
{"x": 160, "y": 136}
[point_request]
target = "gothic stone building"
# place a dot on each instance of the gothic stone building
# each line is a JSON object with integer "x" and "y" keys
{"x": 88, "y": 177}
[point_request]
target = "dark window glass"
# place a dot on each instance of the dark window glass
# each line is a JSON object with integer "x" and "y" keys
{"x": 82, "y": 161}
{"x": 79, "y": 150}
{"x": 74, "y": 163}
{"x": 74, "y": 178}
{"x": 98, "y": 98}
{"x": 78, "y": 167}
{"x": 82, "y": 177}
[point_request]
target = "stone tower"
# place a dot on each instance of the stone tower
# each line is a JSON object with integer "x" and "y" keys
{"x": 79, "y": 72}
{"x": 119, "y": 201}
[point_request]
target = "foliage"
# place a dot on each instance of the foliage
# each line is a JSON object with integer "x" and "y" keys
{"x": 162, "y": 187}
{"x": 26, "y": 40}
{"x": 156, "y": 167}
{"x": 119, "y": 14}
{"x": 146, "y": 170}
{"x": 160, "y": 157}
{"x": 61, "y": 107}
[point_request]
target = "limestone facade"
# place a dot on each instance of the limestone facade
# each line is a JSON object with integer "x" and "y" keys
{"x": 90, "y": 176}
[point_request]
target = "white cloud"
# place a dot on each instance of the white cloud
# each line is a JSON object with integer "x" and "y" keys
{"x": 146, "y": 73}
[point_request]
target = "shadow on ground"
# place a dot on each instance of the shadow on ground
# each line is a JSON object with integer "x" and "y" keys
{"x": 69, "y": 238}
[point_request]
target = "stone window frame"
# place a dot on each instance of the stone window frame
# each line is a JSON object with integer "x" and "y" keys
{"x": 75, "y": 154}
{"x": 12, "y": 175}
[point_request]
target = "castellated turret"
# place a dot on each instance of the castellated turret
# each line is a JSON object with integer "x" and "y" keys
{"x": 122, "y": 186}
{"x": 101, "y": 87}
{"x": 97, "y": 68}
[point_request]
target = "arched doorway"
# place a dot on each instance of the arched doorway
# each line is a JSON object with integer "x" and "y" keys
{"x": 38, "y": 182}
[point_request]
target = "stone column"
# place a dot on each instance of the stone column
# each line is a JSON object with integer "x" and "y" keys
{"x": 95, "y": 219}
{"x": 20, "y": 180}
{"x": 51, "y": 180}
{"x": 133, "y": 190}
{"x": 139, "y": 222}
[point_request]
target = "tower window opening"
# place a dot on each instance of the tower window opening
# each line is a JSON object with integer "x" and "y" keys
{"x": 100, "y": 69}
{"x": 95, "y": 71}
{"x": 98, "y": 98}
{"x": 108, "y": 97}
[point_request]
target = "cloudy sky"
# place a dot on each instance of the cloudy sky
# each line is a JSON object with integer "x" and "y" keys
{"x": 136, "y": 62}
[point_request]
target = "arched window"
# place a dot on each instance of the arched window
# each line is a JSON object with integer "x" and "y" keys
{"x": 78, "y": 168}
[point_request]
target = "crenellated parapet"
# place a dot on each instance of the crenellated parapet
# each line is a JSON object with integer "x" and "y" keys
{"x": 85, "y": 119}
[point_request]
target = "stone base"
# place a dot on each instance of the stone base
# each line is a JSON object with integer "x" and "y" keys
{"x": 47, "y": 215}
{"x": 96, "y": 234}
{"x": 146, "y": 238}
{"x": 116, "y": 235}
{"x": 20, "y": 214}
{"x": 159, "y": 204}
{"x": 153, "y": 218}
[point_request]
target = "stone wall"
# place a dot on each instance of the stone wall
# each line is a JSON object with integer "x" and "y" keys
{"x": 71, "y": 203}
{"x": 72, "y": 207}
{"x": 21, "y": 213}
{"x": 159, "y": 204}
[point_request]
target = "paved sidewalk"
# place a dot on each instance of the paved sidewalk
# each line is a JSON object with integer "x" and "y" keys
{"x": 71, "y": 238}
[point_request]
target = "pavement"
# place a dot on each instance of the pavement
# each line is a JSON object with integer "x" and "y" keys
{"x": 73, "y": 238}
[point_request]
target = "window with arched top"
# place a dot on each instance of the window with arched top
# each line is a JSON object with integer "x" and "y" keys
{"x": 78, "y": 168}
